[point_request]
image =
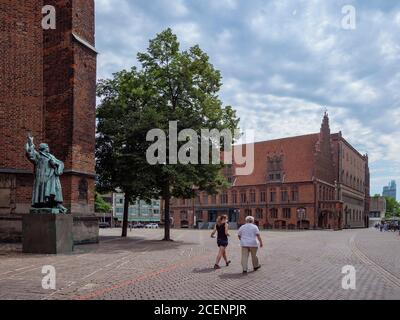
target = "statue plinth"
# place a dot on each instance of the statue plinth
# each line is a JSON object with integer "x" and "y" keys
{"x": 45, "y": 233}
{"x": 45, "y": 211}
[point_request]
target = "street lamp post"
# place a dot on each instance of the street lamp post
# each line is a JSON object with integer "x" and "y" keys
{"x": 300, "y": 215}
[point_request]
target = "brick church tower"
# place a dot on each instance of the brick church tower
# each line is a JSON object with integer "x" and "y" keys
{"x": 47, "y": 88}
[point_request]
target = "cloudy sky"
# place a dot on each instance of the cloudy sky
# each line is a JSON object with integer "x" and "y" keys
{"x": 283, "y": 62}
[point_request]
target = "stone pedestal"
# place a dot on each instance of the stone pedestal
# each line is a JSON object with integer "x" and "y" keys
{"x": 86, "y": 230}
{"x": 10, "y": 229}
{"x": 47, "y": 233}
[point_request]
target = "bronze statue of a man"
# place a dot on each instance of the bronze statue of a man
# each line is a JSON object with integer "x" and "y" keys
{"x": 47, "y": 192}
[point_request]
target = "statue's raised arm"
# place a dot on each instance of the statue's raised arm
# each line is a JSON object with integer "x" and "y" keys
{"x": 31, "y": 152}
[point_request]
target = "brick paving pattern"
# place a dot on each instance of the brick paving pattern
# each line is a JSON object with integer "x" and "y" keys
{"x": 295, "y": 265}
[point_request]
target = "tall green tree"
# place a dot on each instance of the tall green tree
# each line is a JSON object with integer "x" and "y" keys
{"x": 171, "y": 86}
{"x": 185, "y": 87}
{"x": 392, "y": 207}
{"x": 121, "y": 139}
{"x": 100, "y": 204}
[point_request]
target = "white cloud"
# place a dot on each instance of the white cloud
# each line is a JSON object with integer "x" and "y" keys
{"x": 390, "y": 48}
{"x": 104, "y": 6}
{"x": 177, "y": 7}
{"x": 188, "y": 33}
{"x": 282, "y": 63}
{"x": 223, "y": 4}
{"x": 277, "y": 82}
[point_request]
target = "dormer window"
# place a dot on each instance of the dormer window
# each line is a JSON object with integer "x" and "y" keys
{"x": 228, "y": 173}
{"x": 275, "y": 169}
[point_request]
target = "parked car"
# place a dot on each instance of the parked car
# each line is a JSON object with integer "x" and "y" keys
{"x": 138, "y": 226}
{"x": 104, "y": 225}
{"x": 152, "y": 226}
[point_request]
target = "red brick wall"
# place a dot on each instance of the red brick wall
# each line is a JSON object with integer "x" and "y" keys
{"x": 83, "y": 19}
{"x": 324, "y": 166}
{"x": 315, "y": 184}
{"x": 70, "y": 85}
{"x": 21, "y": 89}
{"x": 306, "y": 200}
{"x": 84, "y": 118}
{"x": 21, "y": 94}
{"x": 48, "y": 85}
{"x": 85, "y": 88}
{"x": 84, "y": 111}
{"x": 70, "y": 97}
{"x": 58, "y": 80}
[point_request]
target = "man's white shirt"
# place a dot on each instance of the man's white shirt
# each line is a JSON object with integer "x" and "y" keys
{"x": 248, "y": 235}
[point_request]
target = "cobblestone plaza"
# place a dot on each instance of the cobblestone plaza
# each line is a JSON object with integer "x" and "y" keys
{"x": 295, "y": 265}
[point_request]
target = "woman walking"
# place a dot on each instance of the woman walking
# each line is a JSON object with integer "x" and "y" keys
{"x": 222, "y": 229}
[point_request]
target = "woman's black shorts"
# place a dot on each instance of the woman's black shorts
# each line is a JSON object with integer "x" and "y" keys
{"x": 222, "y": 243}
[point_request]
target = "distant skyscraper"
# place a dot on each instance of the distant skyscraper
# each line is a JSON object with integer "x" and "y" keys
{"x": 390, "y": 190}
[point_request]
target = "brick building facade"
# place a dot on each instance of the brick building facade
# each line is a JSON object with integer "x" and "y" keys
{"x": 48, "y": 85}
{"x": 297, "y": 183}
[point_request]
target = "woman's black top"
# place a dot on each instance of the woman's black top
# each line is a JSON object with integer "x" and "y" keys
{"x": 221, "y": 232}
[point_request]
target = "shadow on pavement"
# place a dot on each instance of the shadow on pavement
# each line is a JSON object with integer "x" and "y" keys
{"x": 107, "y": 245}
{"x": 203, "y": 270}
{"x": 234, "y": 275}
{"x": 112, "y": 245}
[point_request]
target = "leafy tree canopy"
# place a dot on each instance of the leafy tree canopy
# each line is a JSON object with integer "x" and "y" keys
{"x": 101, "y": 205}
{"x": 392, "y": 207}
{"x": 170, "y": 85}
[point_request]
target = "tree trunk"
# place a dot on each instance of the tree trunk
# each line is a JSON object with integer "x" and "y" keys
{"x": 167, "y": 219}
{"x": 126, "y": 216}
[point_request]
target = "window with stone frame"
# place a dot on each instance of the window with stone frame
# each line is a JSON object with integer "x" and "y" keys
{"x": 263, "y": 196}
{"x": 228, "y": 173}
{"x": 243, "y": 197}
{"x": 259, "y": 213}
{"x": 272, "y": 195}
{"x": 214, "y": 199}
{"x": 199, "y": 215}
{"x": 205, "y": 198}
{"x": 184, "y": 215}
{"x": 284, "y": 194}
{"x": 273, "y": 213}
{"x": 234, "y": 197}
{"x": 295, "y": 193}
{"x": 224, "y": 198}
{"x": 287, "y": 213}
{"x": 247, "y": 212}
{"x": 252, "y": 196}
{"x": 275, "y": 168}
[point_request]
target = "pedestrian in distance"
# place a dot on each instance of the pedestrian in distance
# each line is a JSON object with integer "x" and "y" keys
{"x": 222, "y": 230}
{"x": 248, "y": 236}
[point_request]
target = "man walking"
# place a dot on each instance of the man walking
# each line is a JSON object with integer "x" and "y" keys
{"x": 248, "y": 235}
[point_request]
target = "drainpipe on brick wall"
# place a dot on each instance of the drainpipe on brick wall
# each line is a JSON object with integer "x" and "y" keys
{"x": 315, "y": 204}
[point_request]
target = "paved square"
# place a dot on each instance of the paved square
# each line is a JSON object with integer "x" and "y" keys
{"x": 295, "y": 265}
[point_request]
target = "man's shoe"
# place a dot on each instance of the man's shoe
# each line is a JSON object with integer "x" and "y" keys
{"x": 244, "y": 272}
{"x": 216, "y": 267}
{"x": 255, "y": 269}
{"x": 228, "y": 263}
